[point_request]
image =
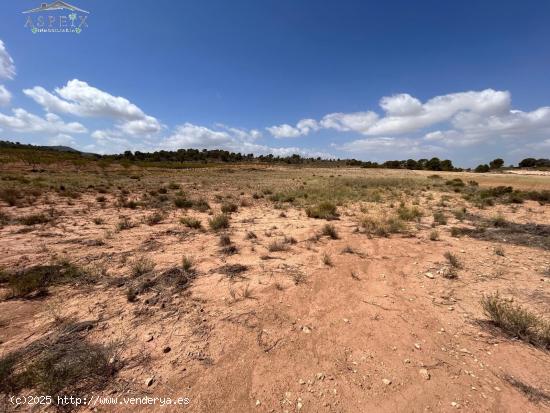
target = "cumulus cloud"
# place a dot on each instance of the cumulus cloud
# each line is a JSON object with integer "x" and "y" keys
{"x": 303, "y": 127}
{"x": 223, "y": 137}
{"x": 5, "y": 96}
{"x": 62, "y": 140}
{"x": 7, "y": 67}
{"x": 389, "y": 147}
{"x": 25, "y": 122}
{"x": 405, "y": 113}
{"x": 78, "y": 98}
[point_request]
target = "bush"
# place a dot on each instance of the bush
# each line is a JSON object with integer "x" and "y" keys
{"x": 154, "y": 219}
{"x": 219, "y": 222}
{"x": 38, "y": 278}
{"x": 324, "y": 210}
{"x": 517, "y": 321}
{"x": 201, "y": 205}
{"x": 230, "y": 207}
{"x": 142, "y": 266}
{"x": 439, "y": 218}
{"x": 382, "y": 226}
{"x": 434, "y": 235}
{"x": 10, "y": 196}
{"x": 408, "y": 214}
{"x": 191, "y": 222}
{"x": 452, "y": 259}
{"x": 330, "y": 231}
{"x": 184, "y": 203}
{"x": 34, "y": 219}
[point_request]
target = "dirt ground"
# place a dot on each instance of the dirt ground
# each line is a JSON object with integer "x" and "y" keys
{"x": 358, "y": 322}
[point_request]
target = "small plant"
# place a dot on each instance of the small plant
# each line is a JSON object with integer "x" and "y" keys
{"x": 348, "y": 250}
{"x": 330, "y": 231}
{"x": 219, "y": 222}
{"x": 434, "y": 235}
{"x": 187, "y": 264}
{"x": 228, "y": 208}
{"x": 452, "y": 260}
{"x": 225, "y": 240}
{"x": 124, "y": 223}
{"x": 34, "y": 219}
{"x": 131, "y": 295}
{"x": 278, "y": 245}
{"x": 382, "y": 227}
{"x": 460, "y": 214}
{"x": 101, "y": 199}
{"x": 191, "y": 222}
{"x": 516, "y": 320}
{"x": 142, "y": 266}
{"x": 439, "y": 218}
{"x": 154, "y": 219}
{"x": 409, "y": 214}
{"x": 10, "y": 196}
{"x": 184, "y": 203}
{"x": 99, "y": 221}
{"x": 327, "y": 260}
{"x": 251, "y": 235}
{"x": 456, "y": 232}
{"x": 498, "y": 221}
{"x": 201, "y": 205}
{"x": 324, "y": 210}
{"x": 499, "y": 250}
{"x": 173, "y": 186}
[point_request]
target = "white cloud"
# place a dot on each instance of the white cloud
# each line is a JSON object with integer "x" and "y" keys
{"x": 7, "y": 67}
{"x": 62, "y": 140}
{"x": 78, "y": 98}
{"x": 345, "y": 122}
{"x": 25, "y": 122}
{"x": 389, "y": 148}
{"x": 303, "y": 127}
{"x": 5, "y": 96}
{"x": 244, "y": 141}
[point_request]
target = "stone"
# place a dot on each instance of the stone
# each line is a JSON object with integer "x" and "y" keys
{"x": 149, "y": 381}
{"x": 166, "y": 349}
{"x": 425, "y": 374}
{"x": 387, "y": 382}
{"x": 429, "y": 275}
{"x": 306, "y": 329}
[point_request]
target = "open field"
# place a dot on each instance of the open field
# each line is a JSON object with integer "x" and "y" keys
{"x": 255, "y": 288}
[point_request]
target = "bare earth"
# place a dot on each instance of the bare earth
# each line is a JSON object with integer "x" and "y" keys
{"x": 376, "y": 329}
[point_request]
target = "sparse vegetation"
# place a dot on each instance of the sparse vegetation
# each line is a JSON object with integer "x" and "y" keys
{"x": 434, "y": 235}
{"x": 516, "y": 320}
{"x": 452, "y": 259}
{"x": 219, "y": 222}
{"x": 330, "y": 231}
{"x": 142, "y": 266}
{"x": 327, "y": 260}
{"x": 191, "y": 222}
{"x": 323, "y": 210}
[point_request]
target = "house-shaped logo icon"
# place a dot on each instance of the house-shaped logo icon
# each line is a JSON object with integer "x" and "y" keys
{"x": 56, "y": 5}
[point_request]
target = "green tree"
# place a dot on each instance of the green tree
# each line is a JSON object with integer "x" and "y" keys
{"x": 496, "y": 163}
{"x": 433, "y": 164}
{"x": 482, "y": 168}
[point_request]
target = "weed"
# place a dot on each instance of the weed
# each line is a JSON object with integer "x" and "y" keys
{"x": 34, "y": 219}
{"x": 201, "y": 205}
{"x": 499, "y": 250}
{"x": 323, "y": 210}
{"x": 154, "y": 219}
{"x": 124, "y": 223}
{"x": 517, "y": 321}
{"x": 225, "y": 240}
{"x": 228, "y": 208}
{"x": 330, "y": 231}
{"x": 434, "y": 235}
{"x": 98, "y": 221}
{"x": 219, "y": 222}
{"x": 191, "y": 222}
{"x": 382, "y": 226}
{"x": 327, "y": 260}
{"x": 142, "y": 266}
{"x": 452, "y": 259}
{"x": 409, "y": 214}
{"x": 187, "y": 264}
{"x": 251, "y": 235}
{"x": 184, "y": 203}
{"x": 439, "y": 218}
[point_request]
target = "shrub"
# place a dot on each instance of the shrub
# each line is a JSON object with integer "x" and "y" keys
{"x": 181, "y": 202}
{"x": 187, "y": 264}
{"x": 154, "y": 219}
{"x": 142, "y": 266}
{"x": 434, "y": 235}
{"x": 34, "y": 219}
{"x": 10, "y": 196}
{"x": 459, "y": 213}
{"x": 101, "y": 199}
{"x": 219, "y": 222}
{"x": 327, "y": 260}
{"x": 440, "y": 218}
{"x": 251, "y": 235}
{"x": 452, "y": 259}
{"x": 230, "y": 207}
{"x": 191, "y": 222}
{"x": 517, "y": 321}
{"x": 124, "y": 223}
{"x": 201, "y": 205}
{"x": 382, "y": 226}
{"x": 498, "y": 221}
{"x": 323, "y": 210}
{"x": 225, "y": 240}
{"x": 38, "y": 278}
{"x": 329, "y": 231}
{"x": 408, "y": 214}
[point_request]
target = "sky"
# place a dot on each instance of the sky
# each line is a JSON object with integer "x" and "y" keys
{"x": 372, "y": 80}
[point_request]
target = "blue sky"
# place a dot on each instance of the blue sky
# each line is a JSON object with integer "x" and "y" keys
{"x": 463, "y": 80}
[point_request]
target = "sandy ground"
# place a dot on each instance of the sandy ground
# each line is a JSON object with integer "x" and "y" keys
{"x": 379, "y": 330}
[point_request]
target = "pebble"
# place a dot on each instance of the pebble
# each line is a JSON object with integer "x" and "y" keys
{"x": 258, "y": 402}
{"x": 429, "y": 275}
{"x": 166, "y": 349}
{"x": 417, "y": 346}
{"x": 424, "y": 373}
{"x": 306, "y": 329}
{"x": 455, "y": 405}
{"x": 149, "y": 381}
{"x": 320, "y": 376}
{"x": 387, "y": 382}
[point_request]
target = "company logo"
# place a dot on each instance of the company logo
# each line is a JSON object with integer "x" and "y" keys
{"x": 56, "y": 17}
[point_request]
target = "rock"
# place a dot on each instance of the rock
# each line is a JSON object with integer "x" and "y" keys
{"x": 417, "y": 346}
{"x": 346, "y": 320}
{"x": 306, "y": 329}
{"x": 387, "y": 382}
{"x": 407, "y": 361}
{"x": 148, "y": 338}
{"x": 301, "y": 381}
{"x": 258, "y": 402}
{"x": 424, "y": 373}
{"x": 149, "y": 381}
{"x": 455, "y": 405}
{"x": 166, "y": 349}
{"x": 320, "y": 376}
{"x": 429, "y": 275}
